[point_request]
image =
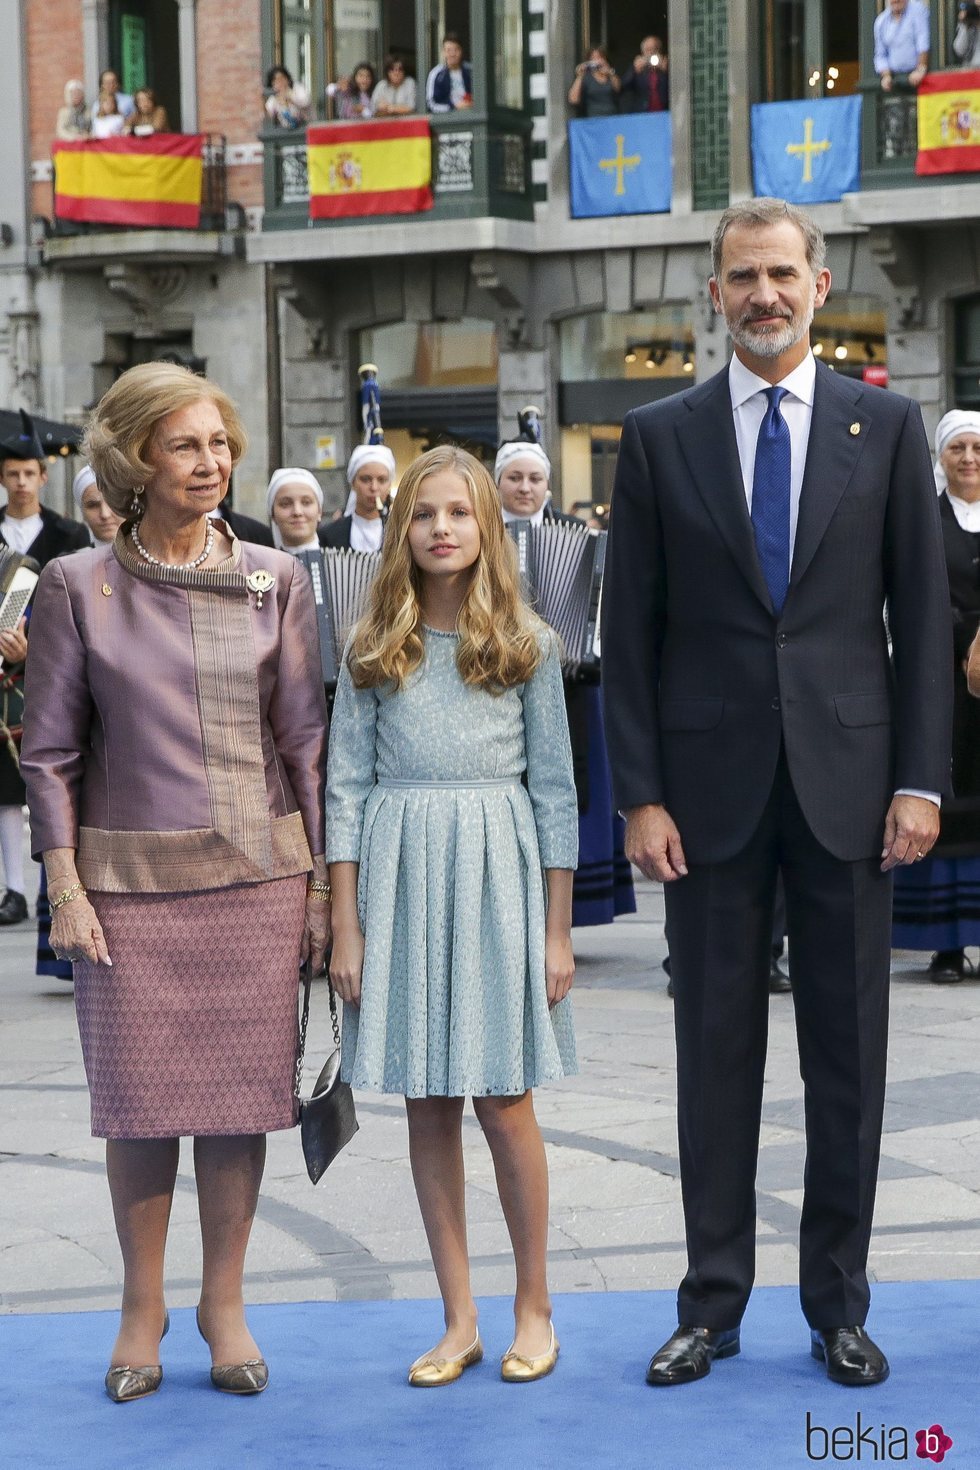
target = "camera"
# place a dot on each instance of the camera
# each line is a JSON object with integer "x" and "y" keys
{"x": 593, "y": 65}
{"x": 654, "y": 60}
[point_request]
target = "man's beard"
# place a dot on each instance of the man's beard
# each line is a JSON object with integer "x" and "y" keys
{"x": 771, "y": 341}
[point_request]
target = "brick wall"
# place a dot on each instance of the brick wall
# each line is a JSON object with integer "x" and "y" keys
{"x": 229, "y": 83}
{"x": 53, "y": 36}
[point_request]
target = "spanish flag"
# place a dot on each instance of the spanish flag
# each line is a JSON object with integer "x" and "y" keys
{"x": 949, "y": 123}
{"x": 369, "y": 168}
{"x": 146, "y": 183}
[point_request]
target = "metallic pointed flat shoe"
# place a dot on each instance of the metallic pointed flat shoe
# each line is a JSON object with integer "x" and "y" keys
{"x": 125, "y": 1383}
{"x": 249, "y": 1377}
{"x": 516, "y": 1369}
{"x": 430, "y": 1372}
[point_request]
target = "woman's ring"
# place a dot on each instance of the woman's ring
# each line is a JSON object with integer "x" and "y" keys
{"x": 919, "y": 856}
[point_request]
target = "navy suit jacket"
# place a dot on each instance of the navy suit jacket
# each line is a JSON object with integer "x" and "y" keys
{"x": 704, "y": 684}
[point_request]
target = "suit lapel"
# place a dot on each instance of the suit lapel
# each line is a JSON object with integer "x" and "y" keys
{"x": 833, "y": 451}
{"x": 707, "y": 437}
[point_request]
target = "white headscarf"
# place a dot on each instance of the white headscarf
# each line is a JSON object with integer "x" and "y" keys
{"x": 289, "y": 477}
{"x": 949, "y": 426}
{"x": 366, "y": 454}
{"x": 81, "y": 482}
{"x": 518, "y": 449}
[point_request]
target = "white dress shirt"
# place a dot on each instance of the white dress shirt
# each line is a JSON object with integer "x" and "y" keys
{"x": 21, "y": 534}
{"x": 536, "y": 520}
{"x": 749, "y": 405}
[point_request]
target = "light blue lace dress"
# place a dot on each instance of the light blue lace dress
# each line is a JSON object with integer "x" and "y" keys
{"x": 424, "y": 791}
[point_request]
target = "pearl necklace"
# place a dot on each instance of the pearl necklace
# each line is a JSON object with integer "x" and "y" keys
{"x": 184, "y": 566}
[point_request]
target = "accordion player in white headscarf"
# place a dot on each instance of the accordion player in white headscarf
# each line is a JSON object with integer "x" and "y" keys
{"x": 370, "y": 474}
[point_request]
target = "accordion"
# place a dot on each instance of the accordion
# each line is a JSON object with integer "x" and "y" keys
{"x": 341, "y": 584}
{"x": 561, "y": 567}
{"x": 18, "y": 578}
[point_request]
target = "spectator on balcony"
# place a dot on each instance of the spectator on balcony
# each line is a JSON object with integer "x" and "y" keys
{"x": 288, "y": 102}
{"x": 109, "y": 82}
{"x": 395, "y": 96}
{"x": 74, "y": 120}
{"x": 644, "y": 85}
{"x": 352, "y": 96}
{"x": 108, "y": 121}
{"x": 595, "y": 90}
{"x": 148, "y": 116}
{"x": 966, "y": 42}
{"x": 449, "y": 87}
{"x": 901, "y": 33}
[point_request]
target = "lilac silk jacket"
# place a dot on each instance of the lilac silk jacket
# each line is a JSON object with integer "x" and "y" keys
{"x": 176, "y": 734}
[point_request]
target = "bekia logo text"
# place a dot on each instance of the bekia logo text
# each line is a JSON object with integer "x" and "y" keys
{"x": 874, "y": 1442}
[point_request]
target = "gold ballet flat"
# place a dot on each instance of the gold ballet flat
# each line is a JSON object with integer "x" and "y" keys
{"x": 125, "y": 1383}
{"x": 430, "y": 1372}
{"x": 516, "y": 1369}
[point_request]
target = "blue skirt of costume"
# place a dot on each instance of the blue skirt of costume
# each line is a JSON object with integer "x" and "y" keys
{"x": 937, "y": 904}
{"x": 603, "y": 886}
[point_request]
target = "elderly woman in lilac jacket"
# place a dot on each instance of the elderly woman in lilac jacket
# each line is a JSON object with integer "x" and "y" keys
{"x": 174, "y": 759}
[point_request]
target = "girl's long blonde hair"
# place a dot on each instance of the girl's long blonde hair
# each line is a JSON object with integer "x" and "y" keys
{"x": 500, "y": 637}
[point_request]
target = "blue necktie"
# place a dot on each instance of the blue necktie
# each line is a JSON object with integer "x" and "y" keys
{"x": 770, "y": 499}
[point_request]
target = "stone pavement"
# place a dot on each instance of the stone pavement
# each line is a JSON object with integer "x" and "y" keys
{"x": 616, "y": 1214}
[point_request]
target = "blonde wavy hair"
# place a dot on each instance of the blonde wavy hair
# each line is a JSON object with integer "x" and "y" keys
{"x": 126, "y": 417}
{"x": 500, "y": 642}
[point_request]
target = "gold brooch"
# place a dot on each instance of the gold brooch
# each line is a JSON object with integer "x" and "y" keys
{"x": 855, "y": 428}
{"x": 260, "y": 582}
{"x": 106, "y": 590}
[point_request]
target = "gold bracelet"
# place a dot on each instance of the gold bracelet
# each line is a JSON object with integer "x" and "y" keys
{"x": 316, "y": 888}
{"x": 75, "y": 891}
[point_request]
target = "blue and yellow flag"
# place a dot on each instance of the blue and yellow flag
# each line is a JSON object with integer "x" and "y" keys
{"x": 807, "y": 152}
{"x": 620, "y": 165}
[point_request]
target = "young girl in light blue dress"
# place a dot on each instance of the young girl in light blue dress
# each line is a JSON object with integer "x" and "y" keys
{"x": 452, "y": 839}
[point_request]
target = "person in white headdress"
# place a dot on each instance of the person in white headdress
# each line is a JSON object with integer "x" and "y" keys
{"x": 370, "y": 472}
{"x": 294, "y": 501}
{"x": 935, "y": 905}
{"x": 603, "y": 883}
{"x": 95, "y": 510}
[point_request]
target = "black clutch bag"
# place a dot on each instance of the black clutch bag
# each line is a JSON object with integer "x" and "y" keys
{"x": 327, "y": 1121}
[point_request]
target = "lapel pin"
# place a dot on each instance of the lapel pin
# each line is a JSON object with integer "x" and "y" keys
{"x": 260, "y": 582}
{"x": 106, "y": 590}
{"x": 855, "y": 428}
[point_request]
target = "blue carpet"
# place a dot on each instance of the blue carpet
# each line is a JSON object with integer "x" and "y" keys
{"x": 338, "y": 1398}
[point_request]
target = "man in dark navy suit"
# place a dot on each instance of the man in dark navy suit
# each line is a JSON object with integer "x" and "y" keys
{"x": 758, "y": 725}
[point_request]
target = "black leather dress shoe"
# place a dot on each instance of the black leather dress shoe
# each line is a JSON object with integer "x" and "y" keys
{"x": 779, "y": 981}
{"x": 13, "y": 909}
{"x": 949, "y": 966}
{"x": 851, "y": 1357}
{"x": 688, "y": 1355}
{"x": 665, "y": 966}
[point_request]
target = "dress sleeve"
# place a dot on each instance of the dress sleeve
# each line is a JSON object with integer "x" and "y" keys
{"x": 297, "y": 710}
{"x": 57, "y": 715}
{"x": 351, "y": 766}
{"x": 550, "y": 779}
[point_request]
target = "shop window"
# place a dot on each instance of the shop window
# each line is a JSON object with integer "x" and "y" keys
{"x": 460, "y": 354}
{"x": 848, "y": 334}
{"x": 634, "y": 345}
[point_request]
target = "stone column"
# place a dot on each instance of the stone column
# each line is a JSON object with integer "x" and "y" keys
{"x": 187, "y": 44}
{"x": 95, "y": 37}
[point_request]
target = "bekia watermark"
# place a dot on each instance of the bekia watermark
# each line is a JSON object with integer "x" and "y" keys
{"x": 870, "y": 1442}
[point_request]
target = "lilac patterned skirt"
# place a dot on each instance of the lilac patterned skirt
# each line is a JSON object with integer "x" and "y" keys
{"x": 194, "y": 1028}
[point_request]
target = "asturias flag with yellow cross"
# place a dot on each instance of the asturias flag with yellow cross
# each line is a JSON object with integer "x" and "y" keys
{"x": 620, "y": 165}
{"x": 369, "y": 168}
{"x": 949, "y": 123}
{"x": 807, "y": 152}
{"x": 146, "y": 183}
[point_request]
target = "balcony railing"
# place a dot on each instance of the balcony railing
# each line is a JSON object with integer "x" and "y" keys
{"x": 479, "y": 167}
{"x": 214, "y": 196}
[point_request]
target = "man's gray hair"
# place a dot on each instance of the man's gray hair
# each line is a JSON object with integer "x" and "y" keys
{"x": 756, "y": 214}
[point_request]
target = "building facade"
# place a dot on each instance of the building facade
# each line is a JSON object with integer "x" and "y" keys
{"x": 497, "y": 296}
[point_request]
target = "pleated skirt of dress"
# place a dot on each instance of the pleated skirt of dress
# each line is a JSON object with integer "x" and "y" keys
{"x": 193, "y": 1030}
{"x": 452, "y": 903}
